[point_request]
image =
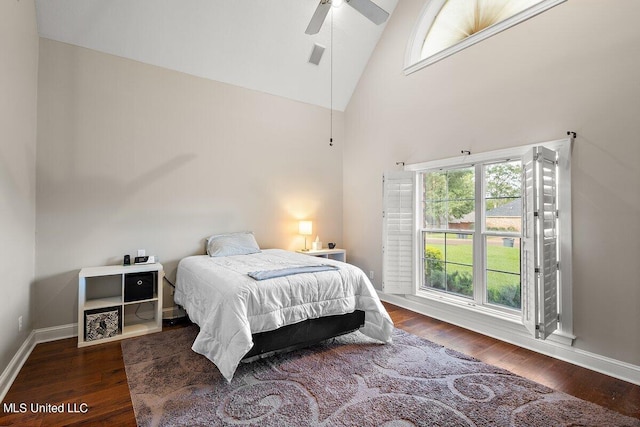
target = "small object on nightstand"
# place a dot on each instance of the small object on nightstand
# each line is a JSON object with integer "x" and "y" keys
{"x": 127, "y": 260}
{"x": 331, "y": 245}
{"x": 317, "y": 245}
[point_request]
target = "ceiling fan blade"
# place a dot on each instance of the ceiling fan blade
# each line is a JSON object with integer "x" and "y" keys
{"x": 370, "y": 10}
{"x": 318, "y": 17}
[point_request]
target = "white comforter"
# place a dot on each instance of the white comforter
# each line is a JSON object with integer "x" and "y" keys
{"x": 229, "y": 306}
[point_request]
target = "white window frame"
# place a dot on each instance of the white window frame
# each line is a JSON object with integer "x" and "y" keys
{"x": 413, "y": 56}
{"x": 479, "y": 246}
{"x": 564, "y": 333}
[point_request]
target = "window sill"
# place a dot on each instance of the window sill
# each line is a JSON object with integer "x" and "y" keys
{"x": 484, "y": 320}
{"x": 467, "y": 305}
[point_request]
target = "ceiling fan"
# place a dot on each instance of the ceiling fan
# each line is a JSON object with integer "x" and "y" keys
{"x": 369, "y": 9}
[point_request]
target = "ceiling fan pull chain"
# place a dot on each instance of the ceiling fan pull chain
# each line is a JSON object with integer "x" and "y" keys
{"x": 331, "y": 88}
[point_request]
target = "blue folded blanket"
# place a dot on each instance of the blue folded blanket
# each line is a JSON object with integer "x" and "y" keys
{"x": 270, "y": 274}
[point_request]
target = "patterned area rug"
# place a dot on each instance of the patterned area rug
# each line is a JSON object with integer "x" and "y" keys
{"x": 349, "y": 381}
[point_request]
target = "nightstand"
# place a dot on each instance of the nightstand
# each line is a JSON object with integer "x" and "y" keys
{"x": 336, "y": 254}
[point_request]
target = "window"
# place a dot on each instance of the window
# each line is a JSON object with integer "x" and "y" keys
{"x": 448, "y": 26}
{"x": 448, "y": 205}
{"x": 487, "y": 232}
{"x": 502, "y": 203}
{"x": 450, "y": 215}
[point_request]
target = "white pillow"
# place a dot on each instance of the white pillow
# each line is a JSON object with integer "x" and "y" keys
{"x": 241, "y": 243}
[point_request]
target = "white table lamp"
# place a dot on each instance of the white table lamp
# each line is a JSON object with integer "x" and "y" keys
{"x": 305, "y": 228}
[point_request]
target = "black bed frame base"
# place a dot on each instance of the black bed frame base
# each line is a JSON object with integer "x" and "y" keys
{"x": 303, "y": 334}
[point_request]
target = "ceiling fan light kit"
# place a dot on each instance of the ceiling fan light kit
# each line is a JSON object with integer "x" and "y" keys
{"x": 367, "y": 8}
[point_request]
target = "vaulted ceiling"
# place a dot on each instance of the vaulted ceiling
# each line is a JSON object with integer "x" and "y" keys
{"x": 256, "y": 44}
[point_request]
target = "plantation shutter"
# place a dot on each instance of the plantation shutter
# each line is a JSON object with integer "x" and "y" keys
{"x": 547, "y": 241}
{"x": 398, "y": 232}
{"x": 539, "y": 244}
{"x": 529, "y": 288}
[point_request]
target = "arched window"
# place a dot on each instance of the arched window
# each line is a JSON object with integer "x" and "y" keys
{"x": 448, "y": 26}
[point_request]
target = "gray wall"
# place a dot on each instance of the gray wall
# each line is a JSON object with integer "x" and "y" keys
{"x": 18, "y": 83}
{"x": 574, "y": 67}
{"x": 133, "y": 156}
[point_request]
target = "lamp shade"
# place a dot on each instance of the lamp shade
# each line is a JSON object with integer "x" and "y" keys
{"x": 305, "y": 228}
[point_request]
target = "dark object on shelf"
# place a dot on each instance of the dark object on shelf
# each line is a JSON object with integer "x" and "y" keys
{"x": 127, "y": 260}
{"x": 139, "y": 286}
{"x": 331, "y": 245}
{"x": 102, "y": 323}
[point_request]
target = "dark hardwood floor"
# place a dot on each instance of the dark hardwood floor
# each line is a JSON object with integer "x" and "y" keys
{"x": 60, "y": 373}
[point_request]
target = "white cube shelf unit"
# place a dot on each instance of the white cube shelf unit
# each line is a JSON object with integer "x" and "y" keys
{"x": 119, "y": 301}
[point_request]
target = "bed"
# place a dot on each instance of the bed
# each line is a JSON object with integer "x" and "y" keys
{"x": 248, "y": 303}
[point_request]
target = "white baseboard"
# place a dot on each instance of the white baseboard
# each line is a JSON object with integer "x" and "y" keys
{"x": 11, "y": 371}
{"x": 35, "y": 337}
{"x": 595, "y": 362}
{"x": 56, "y": 333}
